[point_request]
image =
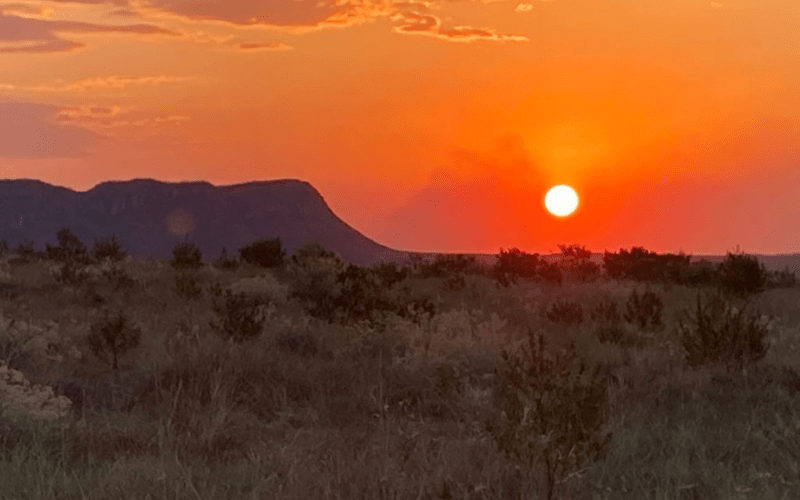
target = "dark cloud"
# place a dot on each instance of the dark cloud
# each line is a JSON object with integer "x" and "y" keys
{"x": 41, "y": 35}
{"x": 30, "y": 130}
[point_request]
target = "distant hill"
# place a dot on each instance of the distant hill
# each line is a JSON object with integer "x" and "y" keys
{"x": 150, "y": 217}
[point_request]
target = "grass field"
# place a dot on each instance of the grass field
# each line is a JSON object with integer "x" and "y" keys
{"x": 396, "y": 410}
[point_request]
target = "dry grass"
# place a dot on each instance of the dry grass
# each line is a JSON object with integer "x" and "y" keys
{"x": 398, "y": 412}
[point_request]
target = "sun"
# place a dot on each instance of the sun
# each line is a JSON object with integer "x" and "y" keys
{"x": 561, "y": 200}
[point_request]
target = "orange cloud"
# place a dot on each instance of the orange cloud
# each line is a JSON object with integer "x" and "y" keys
{"x": 23, "y": 34}
{"x": 28, "y": 130}
{"x": 260, "y": 47}
{"x": 415, "y": 18}
{"x": 105, "y": 82}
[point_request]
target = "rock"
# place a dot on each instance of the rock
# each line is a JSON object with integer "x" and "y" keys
{"x": 21, "y": 399}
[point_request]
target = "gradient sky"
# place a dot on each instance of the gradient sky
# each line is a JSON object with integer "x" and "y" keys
{"x": 430, "y": 125}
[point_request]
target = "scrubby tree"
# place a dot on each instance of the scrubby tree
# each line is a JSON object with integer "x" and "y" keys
{"x": 108, "y": 248}
{"x": 239, "y": 316}
{"x": 742, "y": 275}
{"x": 186, "y": 256}
{"x": 3, "y": 248}
{"x": 69, "y": 248}
{"x": 113, "y": 336}
{"x": 575, "y": 262}
{"x": 264, "y": 253}
{"x": 513, "y": 264}
{"x": 224, "y": 262}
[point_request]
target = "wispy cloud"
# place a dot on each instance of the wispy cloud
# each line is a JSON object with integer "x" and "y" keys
{"x": 261, "y": 47}
{"x": 416, "y": 19}
{"x": 30, "y": 130}
{"x": 105, "y": 82}
{"x": 524, "y": 7}
{"x": 25, "y": 34}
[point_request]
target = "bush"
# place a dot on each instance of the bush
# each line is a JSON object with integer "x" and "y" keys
{"x": 550, "y": 272}
{"x": 223, "y": 262}
{"x": 240, "y": 318}
{"x": 108, "y": 248}
{"x": 552, "y": 411}
{"x": 24, "y": 252}
{"x": 741, "y": 275}
{"x": 72, "y": 273}
{"x": 113, "y": 336}
{"x": 611, "y": 333}
{"x": 186, "y": 256}
{"x": 264, "y": 253}
{"x": 315, "y": 271}
{"x": 565, "y": 311}
{"x": 781, "y": 279}
{"x": 607, "y": 311}
{"x": 390, "y": 274}
{"x": 644, "y": 310}
{"x": 186, "y": 286}
{"x": 4, "y": 248}
{"x": 69, "y": 249}
{"x": 719, "y": 332}
{"x": 118, "y": 278}
{"x": 514, "y": 264}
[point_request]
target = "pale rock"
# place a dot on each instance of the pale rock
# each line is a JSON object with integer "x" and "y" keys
{"x": 21, "y": 399}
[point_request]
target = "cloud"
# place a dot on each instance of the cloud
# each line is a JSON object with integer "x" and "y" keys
{"x": 30, "y": 130}
{"x": 104, "y": 82}
{"x": 523, "y": 7}
{"x": 415, "y": 18}
{"x": 26, "y": 10}
{"x": 23, "y": 34}
{"x": 261, "y": 47}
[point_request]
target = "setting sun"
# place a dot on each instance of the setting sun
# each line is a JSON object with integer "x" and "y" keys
{"x": 561, "y": 200}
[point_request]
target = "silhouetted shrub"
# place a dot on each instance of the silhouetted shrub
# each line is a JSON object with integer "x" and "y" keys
{"x": 451, "y": 268}
{"x": 781, "y": 279}
{"x": 239, "y": 316}
{"x": 514, "y": 264}
{"x": 390, "y": 273}
{"x": 742, "y": 275}
{"x": 550, "y": 272}
{"x": 719, "y": 332}
{"x": 224, "y": 262}
{"x": 4, "y": 248}
{"x": 118, "y": 278}
{"x": 555, "y": 397}
{"x": 643, "y": 265}
{"x": 69, "y": 248}
{"x": 565, "y": 311}
{"x": 644, "y": 310}
{"x": 574, "y": 261}
{"x": 607, "y": 311}
{"x": 108, "y": 248}
{"x": 113, "y": 336}
{"x": 72, "y": 273}
{"x": 186, "y": 256}
{"x": 702, "y": 273}
{"x": 610, "y": 333}
{"x": 186, "y": 286}
{"x": 24, "y": 252}
{"x": 264, "y": 253}
{"x": 314, "y": 284}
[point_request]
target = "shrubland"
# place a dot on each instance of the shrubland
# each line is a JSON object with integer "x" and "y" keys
{"x": 305, "y": 376}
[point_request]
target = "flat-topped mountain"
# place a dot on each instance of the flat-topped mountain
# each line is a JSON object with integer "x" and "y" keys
{"x": 150, "y": 217}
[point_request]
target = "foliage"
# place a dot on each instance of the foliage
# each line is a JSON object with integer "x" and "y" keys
{"x": 576, "y": 264}
{"x": 565, "y": 311}
{"x": 701, "y": 273}
{"x": 69, "y": 249}
{"x": 118, "y": 277}
{"x": 607, "y": 311}
{"x": 113, "y": 336}
{"x": 186, "y": 286}
{"x": 224, "y": 262}
{"x": 550, "y": 272}
{"x": 186, "y": 256}
{"x": 264, "y": 253}
{"x": 644, "y": 310}
{"x": 451, "y": 267}
{"x": 514, "y": 264}
{"x": 108, "y": 248}
{"x": 389, "y": 273}
{"x": 643, "y": 265}
{"x": 719, "y": 332}
{"x": 4, "y": 248}
{"x": 742, "y": 275}
{"x": 611, "y": 333}
{"x": 314, "y": 284}
{"x": 552, "y": 411}
{"x": 24, "y": 252}
{"x": 781, "y": 279}
{"x": 239, "y": 316}
{"x": 72, "y": 273}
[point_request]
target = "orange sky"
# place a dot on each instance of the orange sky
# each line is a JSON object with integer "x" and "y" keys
{"x": 431, "y": 126}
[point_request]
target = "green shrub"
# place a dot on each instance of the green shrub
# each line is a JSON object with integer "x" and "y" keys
{"x": 186, "y": 286}
{"x": 113, "y": 336}
{"x": 264, "y": 253}
{"x": 108, "y": 248}
{"x": 644, "y": 310}
{"x": 552, "y": 411}
{"x": 239, "y": 316}
{"x": 741, "y": 275}
{"x": 565, "y": 311}
{"x": 186, "y": 256}
{"x": 719, "y": 332}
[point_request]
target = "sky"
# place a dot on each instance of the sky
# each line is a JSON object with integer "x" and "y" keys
{"x": 434, "y": 125}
